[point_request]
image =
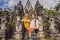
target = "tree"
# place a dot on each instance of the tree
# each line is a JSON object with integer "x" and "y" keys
{"x": 45, "y": 9}
{"x": 6, "y": 12}
{"x": 57, "y": 6}
{"x": 53, "y": 12}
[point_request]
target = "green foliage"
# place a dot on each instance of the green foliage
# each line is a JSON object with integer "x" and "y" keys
{"x": 58, "y": 13}
{"x": 57, "y": 6}
{"x": 11, "y": 23}
{"x": 45, "y": 9}
{"x": 1, "y": 15}
{"x": 45, "y": 23}
{"x": 6, "y": 12}
{"x": 53, "y": 12}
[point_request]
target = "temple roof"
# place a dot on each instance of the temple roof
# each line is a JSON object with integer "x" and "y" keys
{"x": 20, "y": 3}
{"x": 28, "y": 4}
{"x": 37, "y": 4}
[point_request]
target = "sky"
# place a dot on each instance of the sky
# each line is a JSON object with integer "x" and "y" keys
{"x": 12, "y": 3}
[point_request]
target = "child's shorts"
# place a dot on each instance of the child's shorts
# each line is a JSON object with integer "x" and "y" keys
{"x": 29, "y": 31}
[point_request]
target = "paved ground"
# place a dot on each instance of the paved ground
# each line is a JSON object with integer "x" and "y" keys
{"x": 35, "y": 38}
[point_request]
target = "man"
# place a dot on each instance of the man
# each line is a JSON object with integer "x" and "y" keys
{"x": 26, "y": 25}
{"x": 34, "y": 24}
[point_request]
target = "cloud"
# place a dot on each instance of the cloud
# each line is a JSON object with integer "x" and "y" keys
{"x": 3, "y": 3}
{"x": 8, "y": 3}
{"x": 49, "y": 3}
{"x": 45, "y": 3}
{"x": 12, "y": 3}
{"x": 5, "y": 0}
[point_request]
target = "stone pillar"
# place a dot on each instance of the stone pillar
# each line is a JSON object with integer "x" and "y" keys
{"x": 41, "y": 32}
{"x": 40, "y": 23}
{"x": 17, "y": 23}
{"x": 53, "y": 31}
{"x": 17, "y": 28}
{"x": 3, "y": 38}
{"x": 3, "y": 27}
{"x": 52, "y": 25}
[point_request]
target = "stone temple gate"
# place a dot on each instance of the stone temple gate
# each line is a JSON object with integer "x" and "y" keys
{"x": 17, "y": 15}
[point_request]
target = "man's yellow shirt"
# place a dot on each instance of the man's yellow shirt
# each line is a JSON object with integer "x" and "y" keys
{"x": 26, "y": 23}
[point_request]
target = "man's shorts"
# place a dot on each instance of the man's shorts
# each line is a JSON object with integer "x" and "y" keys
{"x": 36, "y": 30}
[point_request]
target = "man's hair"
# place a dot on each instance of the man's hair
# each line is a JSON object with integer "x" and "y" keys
{"x": 25, "y": 14}
{"x": 33, "y": 14}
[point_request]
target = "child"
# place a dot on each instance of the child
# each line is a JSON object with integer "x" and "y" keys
{"x": 26, "y": 21}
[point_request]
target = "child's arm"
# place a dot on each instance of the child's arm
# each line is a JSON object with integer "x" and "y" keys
{"x": 22, "y": 20}
{"x": 28, "y": 20}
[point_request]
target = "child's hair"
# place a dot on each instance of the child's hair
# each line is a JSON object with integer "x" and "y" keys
{"x": 27, "y": 14}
